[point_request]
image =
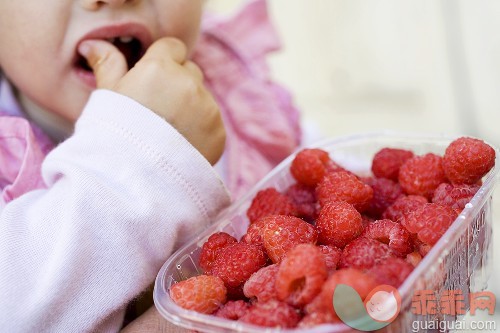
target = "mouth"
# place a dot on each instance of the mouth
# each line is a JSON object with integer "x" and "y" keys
{"x": 132, "y": 40}
{"x": 130, "y": 47}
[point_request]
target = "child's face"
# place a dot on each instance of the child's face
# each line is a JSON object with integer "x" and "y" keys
{"x": 39, "y": 39}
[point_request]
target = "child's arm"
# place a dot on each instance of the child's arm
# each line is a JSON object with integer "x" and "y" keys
{"x": 122, "y": 192}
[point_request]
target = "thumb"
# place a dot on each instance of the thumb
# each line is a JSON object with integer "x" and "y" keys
{"x": 107, "y": 62}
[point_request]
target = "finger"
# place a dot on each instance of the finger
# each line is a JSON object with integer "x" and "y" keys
{"x": 194, "y": 70}
{"x": 167, "y": 47}
{"x": 107, "y": 62}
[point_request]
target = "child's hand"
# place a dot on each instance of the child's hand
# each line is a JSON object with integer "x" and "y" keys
{"x": 168, "y": 84}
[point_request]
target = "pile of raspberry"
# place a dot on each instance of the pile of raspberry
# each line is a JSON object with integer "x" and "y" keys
{"x": 332, "y": 226}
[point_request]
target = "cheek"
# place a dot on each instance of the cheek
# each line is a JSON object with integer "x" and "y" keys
{"x": 185, "y": 24}
{"x": 30, "y": 45}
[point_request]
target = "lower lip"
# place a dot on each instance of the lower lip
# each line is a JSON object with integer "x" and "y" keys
{"x": 88, "y": 78}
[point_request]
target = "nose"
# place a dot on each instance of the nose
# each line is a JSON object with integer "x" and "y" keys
{"x": 96, "y": 4}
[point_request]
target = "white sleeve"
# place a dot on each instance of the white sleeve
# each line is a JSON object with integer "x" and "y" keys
{"x": 123, "y": 192}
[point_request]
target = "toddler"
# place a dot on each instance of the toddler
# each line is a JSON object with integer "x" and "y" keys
{"x": 112, "y": 113}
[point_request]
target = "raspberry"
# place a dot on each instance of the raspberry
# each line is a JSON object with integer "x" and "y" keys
{"x": 421, "y": 247}
{"x": 300, "y": 193}
{"x": 272, "y": 314}
{"x": 210, "y": 248}
{"x": 363, "y": 253}
{"x": 338, "y": 224}
{"x": 455, "y": 196}
{"x": 467, "y": 160}
{"x": 304, "y": 199}
{"x": 421, "y": 175}
{"x": 403, "y": 206}
{"x": 236, "y": 262}
{"x": 391, "y": 271}
{"x": 323, "y": 303}
{"x": 308, "y": 166}
{"x": 283, "y": 233}
{"x": 385, "y": 193}
{"x": 414, "y": 258}
{"x": 366, "y": 220}
{"x": 270, "y": 202}
{"x": 343, "y": 186}
{"x": 392, "y": 234}
{"x": 430, "y": 222}
{"x": 202, "y": 293}
{"x": 262, "y": 284}
{"x": 301, "y": 275}
{"x": 387, "y": 161}
{"x": 331, "y": 255}
{"x": 254, "y": 232}
{"x": 233, "y": 310}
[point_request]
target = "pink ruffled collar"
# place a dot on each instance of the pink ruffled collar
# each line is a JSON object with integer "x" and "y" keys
{"x": 23, "y": 148}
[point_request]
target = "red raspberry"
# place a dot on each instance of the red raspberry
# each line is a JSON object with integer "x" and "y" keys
{"x": 338, "y": 224}
{"x": 387, "y": 161}
{"x": 414, "y": 258}
{"x": 467, "y": 160}
{"x": 304, "y": 198}
{"x": 210, "y": 248}
{"x": 254, "y": 232}
{"x": 236, "y": 262}
{"x": 391, "y": 271}
{"x": 300, "y": 193}
{"x": 323, "y": 303}
{"x": 455, "y": 196}
{"x": 366, "y": 220}
{"x": 421, "y": 175}
{"x": 420, "y": 246}
{"x": 270, "y": 202}
{"x": 331, "y": 255}
{"x": 233, "y": 310}
{"x": 262, "y": 284}
{"x": 272, "y": 314}
{"x": 385, "y": 193}
{"x": 308, "y": 166}
{"x": 343, "y": 186}
{"x": 363, "y": 253}
{"x": 283, "y": 233}
{"x": 202, "y": 293}
{"x": 301, "y": 275}
{"x": 430, "y": 222}
{"x": 403, "y": 206}
{"x": 392, "y": 234}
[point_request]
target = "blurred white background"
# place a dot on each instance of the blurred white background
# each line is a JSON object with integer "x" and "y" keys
{"x": 420, "y": 66}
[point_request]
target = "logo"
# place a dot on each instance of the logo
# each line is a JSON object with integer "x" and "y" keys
{"x": 380, "y": 308}
{"x": 451, "y": 302}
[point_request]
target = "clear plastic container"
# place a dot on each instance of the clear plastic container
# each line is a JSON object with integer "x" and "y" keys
{"x": 461, "y": 260}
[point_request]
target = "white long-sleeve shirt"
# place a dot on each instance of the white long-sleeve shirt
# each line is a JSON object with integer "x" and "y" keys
{"x": 117, "y": 204}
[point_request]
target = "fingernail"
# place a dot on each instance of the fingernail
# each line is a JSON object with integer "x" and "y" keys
{"x": 84, "y": 49}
